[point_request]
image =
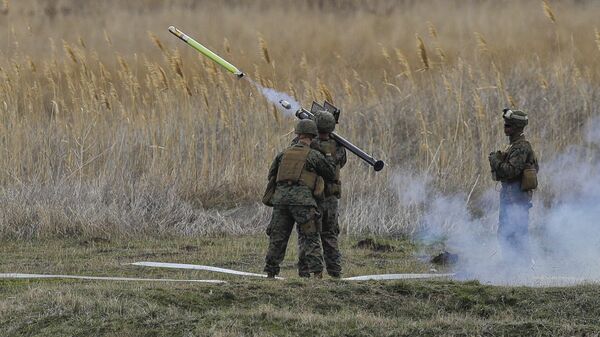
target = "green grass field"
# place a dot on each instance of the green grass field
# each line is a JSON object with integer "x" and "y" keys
{"x": 260, "y": 307}
{"x": 118, "y": 143}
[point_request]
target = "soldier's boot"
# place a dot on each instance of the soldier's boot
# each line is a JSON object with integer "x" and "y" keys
{"x": 304, "y": 274}
{"x": 271, "y": 275}
{"x": 335, "y": 275}
{"x": 318, "y": 275}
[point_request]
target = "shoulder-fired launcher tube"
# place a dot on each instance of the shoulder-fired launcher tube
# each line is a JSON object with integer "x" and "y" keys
{"x": 377, "y": 164}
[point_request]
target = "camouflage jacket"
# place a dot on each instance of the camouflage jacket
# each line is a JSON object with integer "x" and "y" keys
{"x": 340, "y": 152}
{"x": 519, "y": 154}
{"x": 333, "y": 188}
{"x": 297, "y": 194}
{"x": 330, "y": 148}
{"x": 323, "y": 146}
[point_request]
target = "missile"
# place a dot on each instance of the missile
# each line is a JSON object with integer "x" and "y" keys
{"x": 285, "y": 104}
{"x": 301, "y": 113}
{"x": 206, "y": 52}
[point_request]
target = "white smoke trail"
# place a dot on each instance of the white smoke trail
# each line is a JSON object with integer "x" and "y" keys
{"x": 564, "y": 221}
{"x": 570, "y": 221}
{"x": 275, "y": 97}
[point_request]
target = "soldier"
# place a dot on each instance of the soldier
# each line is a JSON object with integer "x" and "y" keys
{"x": 516, "y": 168}
{"x": 296, "y": 171}
{"x": 328, "y": 206}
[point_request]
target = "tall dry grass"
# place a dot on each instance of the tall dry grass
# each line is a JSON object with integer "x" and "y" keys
{"x": 111, "y": 126}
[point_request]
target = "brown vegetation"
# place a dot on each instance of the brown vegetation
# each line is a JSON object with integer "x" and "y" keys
{"x": 108, "y": 124}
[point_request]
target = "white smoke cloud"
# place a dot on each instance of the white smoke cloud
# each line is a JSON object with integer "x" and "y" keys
{"x": 570, "y": 222}
{"x": 592, "y": 134}
{"x": 275, "y": 97}
{"x": 564, "y": 221}
{"x": 415, "y": 187}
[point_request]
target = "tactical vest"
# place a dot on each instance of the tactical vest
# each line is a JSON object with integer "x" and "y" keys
{"x": 329, "y": 147}
{"x": 292, "y": 168}
{"x": 528, "y": 179}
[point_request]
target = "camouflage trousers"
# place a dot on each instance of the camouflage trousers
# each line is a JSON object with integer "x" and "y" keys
{"x": 279, "y": 230}
{"x": 330, "y": 231}
{"x": 513, "y": 226}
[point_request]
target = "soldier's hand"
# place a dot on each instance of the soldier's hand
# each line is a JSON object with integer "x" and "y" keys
{"x": 495, "y": 158}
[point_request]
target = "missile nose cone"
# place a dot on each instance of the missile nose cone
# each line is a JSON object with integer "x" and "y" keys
{"x": 285, "y": 104}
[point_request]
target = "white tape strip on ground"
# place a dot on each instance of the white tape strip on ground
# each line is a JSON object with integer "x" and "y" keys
{"x": 103, "y": 278}
{"x": 384, "y": 277}
{"x": 196, "y": 267}
{"x": 235, "y": 272}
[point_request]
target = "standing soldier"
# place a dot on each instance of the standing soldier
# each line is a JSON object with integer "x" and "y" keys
{"x": 328, "y": 206}
{"x": 516, "y": 168}
{"x": 296, "y": 171}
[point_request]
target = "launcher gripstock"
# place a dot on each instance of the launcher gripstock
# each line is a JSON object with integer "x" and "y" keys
{"x": 304, "y": 114}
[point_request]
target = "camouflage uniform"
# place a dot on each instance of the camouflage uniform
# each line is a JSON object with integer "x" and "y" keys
{"x": 508, "y": 167}
{"x": 295, "y": 203}
{"x": 328, "y": 207}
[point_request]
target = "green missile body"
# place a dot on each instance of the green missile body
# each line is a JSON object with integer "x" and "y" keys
{"x": 207, "y": 52}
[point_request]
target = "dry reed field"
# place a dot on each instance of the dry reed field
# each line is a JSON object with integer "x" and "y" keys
{"x": 110, "y": 126}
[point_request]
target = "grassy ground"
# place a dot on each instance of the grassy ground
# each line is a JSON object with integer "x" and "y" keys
{"x": 111, "y": 127}
{"x": 99, "y": 257}
{"x": 248, "y": 306}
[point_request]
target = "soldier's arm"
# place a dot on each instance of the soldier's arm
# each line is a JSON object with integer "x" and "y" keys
{"x": 274, "y": 166}
{"x": 323, "y": 166}
{"x": 513, "y": 165}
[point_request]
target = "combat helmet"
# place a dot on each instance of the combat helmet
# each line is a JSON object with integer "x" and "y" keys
{"x": 515, "y": 118}
{"x": 306, "y": 126}
{"x": 325, "y": 121}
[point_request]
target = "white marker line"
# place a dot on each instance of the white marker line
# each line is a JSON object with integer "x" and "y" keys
{"x": 77, "y": 277}
{"x": 383, "y": 277}
{"x": 196, "y": 267}
{"x": 236, "y": 272}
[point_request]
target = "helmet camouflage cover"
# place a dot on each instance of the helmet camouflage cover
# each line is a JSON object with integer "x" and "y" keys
{"x": 325, "y": 121}
{"x": 306, "y": 126}
{"x": 517, "y": 118}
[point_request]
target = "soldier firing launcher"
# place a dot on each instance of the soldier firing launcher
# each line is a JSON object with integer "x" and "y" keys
{"x": 304, "y": 114}
{"x": 301, "y": 113}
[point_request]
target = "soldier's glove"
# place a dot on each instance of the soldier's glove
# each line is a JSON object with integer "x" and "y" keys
{"x": 495, "y": 159}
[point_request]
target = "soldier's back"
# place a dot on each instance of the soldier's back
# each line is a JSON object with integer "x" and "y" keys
{"x": 291, "y": 188}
